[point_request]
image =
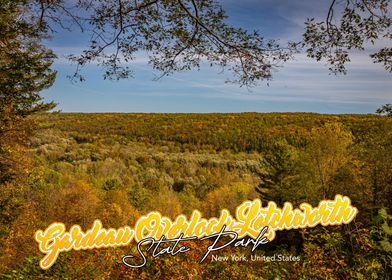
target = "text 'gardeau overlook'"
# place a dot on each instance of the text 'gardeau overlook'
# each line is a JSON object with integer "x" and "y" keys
{"x": 259, "y": 224}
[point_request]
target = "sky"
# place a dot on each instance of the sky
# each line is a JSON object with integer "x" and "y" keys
{"x": 302, "y": 85}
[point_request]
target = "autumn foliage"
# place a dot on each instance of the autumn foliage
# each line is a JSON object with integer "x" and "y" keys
{"x": 116, "y": 167}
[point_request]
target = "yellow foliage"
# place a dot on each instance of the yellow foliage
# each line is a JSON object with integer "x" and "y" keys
{"x": 74, "y": 204}
{"x": 228, "y": 196}
{"x": 117, "y": 211}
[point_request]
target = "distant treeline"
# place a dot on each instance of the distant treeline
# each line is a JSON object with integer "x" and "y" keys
{"x": 236, "y": 131}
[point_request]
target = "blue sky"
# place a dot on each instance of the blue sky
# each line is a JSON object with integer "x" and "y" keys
{"x": 301, "y": 85}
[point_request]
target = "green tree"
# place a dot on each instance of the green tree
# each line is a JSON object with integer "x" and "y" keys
{"x": 385, "y": 110}
{"x": 24, "y": 72}
{"x": 281, "y": 174}
{"x": 375, "y": 144}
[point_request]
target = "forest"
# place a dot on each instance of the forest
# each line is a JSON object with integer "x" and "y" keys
{"x": 117, "y": 167}
{"x": 75, "y": 168}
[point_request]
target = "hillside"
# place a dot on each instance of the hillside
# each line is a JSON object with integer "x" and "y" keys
{"x": 116, "y": 167}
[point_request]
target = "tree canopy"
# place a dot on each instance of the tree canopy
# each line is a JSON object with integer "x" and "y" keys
{"x": 350, "y": 25}
{"x": 180, "y": 35}
{"x": 385, "y": 110}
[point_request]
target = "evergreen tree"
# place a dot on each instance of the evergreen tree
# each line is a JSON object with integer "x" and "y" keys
{"x": 24, "y": 72}
{"x": 280, "y": 175}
